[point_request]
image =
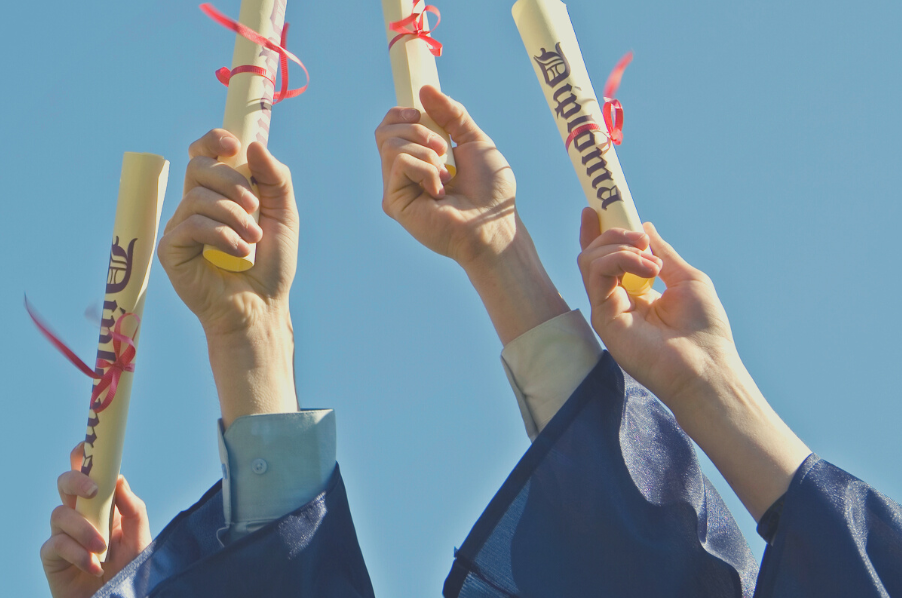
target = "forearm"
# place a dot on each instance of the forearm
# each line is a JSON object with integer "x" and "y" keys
{"x": 514, "y": 287}
{"x": 254, "y": 369}
{"x": 750, "y": 445}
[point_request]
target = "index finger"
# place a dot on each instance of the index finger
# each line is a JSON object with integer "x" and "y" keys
{"x": 216, "y": 143}
{"x": 399, "y": 115}
{"x": 73, "y": 484}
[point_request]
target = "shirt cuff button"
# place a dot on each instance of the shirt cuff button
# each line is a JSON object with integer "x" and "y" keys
{"x": 259, "y": 466}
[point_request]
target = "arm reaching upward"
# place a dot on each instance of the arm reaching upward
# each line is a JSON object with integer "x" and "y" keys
{"x": 680, "y": 346}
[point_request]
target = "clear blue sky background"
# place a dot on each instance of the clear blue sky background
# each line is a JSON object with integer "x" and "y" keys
{"x": 762, "y": 138}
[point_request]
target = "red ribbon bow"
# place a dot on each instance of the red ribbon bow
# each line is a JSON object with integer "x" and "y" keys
{"x": 611, "y": 110}
{"x": 109, "y": 380}
{"x": 224, "y": 74}
{"x": 414, "y": 25}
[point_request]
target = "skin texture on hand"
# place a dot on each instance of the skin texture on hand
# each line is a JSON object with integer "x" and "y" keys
{"x": 471, "y": 218}
{"x": 679, "y": 345}
{"x": 69, "y": 557}
{"x": 245, "y": 315}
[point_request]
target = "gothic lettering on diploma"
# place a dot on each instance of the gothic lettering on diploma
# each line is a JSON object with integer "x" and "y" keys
{"x": 119, "y": 274}
{"x": 556, "y": 71}
{"x": 120, "y": 270}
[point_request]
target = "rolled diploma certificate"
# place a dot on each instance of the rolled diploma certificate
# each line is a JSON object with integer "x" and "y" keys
{"x": 141, "y": 190}
{"x": 249, "y": 102}
{"x": 554, "y": 52}
{"x": 412, "y": 67}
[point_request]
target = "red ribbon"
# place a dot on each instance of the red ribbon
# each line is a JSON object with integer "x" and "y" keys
{"x": 414, "y": 25}
{"x": 224, "y": 74}
{"x": 109, "y": 380}
{"x": 611, "y": 110}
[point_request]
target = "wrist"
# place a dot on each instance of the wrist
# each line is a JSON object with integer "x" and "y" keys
{"x": 732, "y": 422}
{"x": 489, "y": 244}
{"x": 514, "y": 287}
{"x": 254, "y": 368}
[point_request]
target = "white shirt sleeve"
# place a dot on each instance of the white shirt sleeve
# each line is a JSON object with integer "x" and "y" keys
{"x": 546, "y": 364}
{"x": 273, "y": 464}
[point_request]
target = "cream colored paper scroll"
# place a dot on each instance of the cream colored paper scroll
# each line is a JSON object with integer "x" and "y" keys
{"x": 558, "y": 63}
{"x": 142, "y": 187}
{"x": 249, "y": 102}
{"x": 412, "y": 67}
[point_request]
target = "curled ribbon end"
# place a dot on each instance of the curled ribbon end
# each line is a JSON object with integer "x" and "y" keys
{"x": 123, "y": 348}
{"x": 224, "y": 75}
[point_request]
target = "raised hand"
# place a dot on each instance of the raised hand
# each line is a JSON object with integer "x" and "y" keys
{"x": 216, "y": 210}
{"x": 471, "y": 218}
{"x": 670, "y": 341}
{"x": 245, "y": 315}
{"x": 466, "y": 218}
{"x": 679, "y": 345}
{"x": 69, "y": 557}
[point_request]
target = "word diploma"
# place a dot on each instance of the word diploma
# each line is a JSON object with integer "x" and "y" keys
{"x": 554, "y": 52}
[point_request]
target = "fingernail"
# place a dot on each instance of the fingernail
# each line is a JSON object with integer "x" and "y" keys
{"x": 91, "y": 490}
{"x": 98, "y": 545}
{"x": 411, "y": 114}
{"x": 229, "y": 144}
{"x": 445, "y": 175}
{"x": 441, "y": 193}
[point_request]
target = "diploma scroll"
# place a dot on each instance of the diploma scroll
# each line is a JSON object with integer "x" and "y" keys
{"x": 554, "y": 52}
{"x": 142, "y": 187}
{"x": 413, "y": 66}
{"x": 249, "y": 101}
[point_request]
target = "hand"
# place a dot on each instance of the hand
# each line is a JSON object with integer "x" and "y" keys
{"x": 466, "y": 218}
{"x": 680, "y": 346}
{"x": 216, "y": 211}
{"x": 70, "y": 555}
{"x": 245, "y": 315}
{"x": 471, "y": 218}
{"x": 669, "y": 342}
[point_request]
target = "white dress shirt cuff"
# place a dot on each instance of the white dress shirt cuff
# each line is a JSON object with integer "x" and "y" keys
{"x": 546, "y": 364}
{"x": 273, "y": 464}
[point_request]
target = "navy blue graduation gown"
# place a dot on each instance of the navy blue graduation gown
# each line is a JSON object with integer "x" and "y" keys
{"x": 311, "y": 552}
{"x": 609, "y": 501}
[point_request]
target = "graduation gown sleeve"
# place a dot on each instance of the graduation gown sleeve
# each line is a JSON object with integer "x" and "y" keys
{"x": 310, "y": 552}
{"x": 608, "y": 501}
{"x": 831, "y": 534}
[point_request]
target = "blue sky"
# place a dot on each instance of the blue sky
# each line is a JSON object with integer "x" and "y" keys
{"x": 761, "y": 138}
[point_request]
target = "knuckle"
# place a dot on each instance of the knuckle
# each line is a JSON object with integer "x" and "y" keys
{"x": 57, "y": 515}
{"x": 47, "y": 549}
{"x": 422, "y": 134}
{"x": 434, "y": 158}
{"x": 192, "y": 195}
{"x": 394, "y": 144}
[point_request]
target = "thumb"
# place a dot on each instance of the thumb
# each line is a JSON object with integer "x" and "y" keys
{"x": 451, "y": 116}
{"x": 675, "y": 268}
{"x": 590, "y": 227}
{"x": 132, "y": 513}
{"x": 273, "y": 179}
